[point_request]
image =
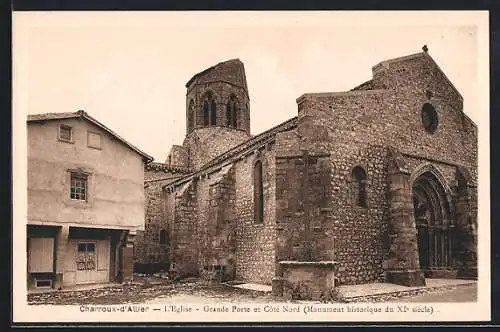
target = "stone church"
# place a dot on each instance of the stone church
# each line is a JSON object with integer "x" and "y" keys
{"x": 375, "y": 184}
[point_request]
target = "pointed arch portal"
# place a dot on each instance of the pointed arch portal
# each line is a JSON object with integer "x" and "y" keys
{"x": 434, "y": 224}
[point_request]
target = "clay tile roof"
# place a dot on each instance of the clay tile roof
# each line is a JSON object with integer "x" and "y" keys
{"x": 84, "y": 115}
{"x": 165, "y": 167}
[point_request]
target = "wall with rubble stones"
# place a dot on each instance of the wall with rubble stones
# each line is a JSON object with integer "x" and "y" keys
{"x": 149, "y": 254}
{"x": 225, "y": 235}
{"x": 309, "y": 210}
{"x": 355, "y": 127}
{"x": 204, "y": 144}
{"x": 255, "y": 253}
{"x": 177, "y": 157}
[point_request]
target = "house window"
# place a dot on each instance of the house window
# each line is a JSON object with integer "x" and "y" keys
{"x": 358, "y": 186}
{"x": 45, "y": 283}
{"x": 94, "y": 140}
{"x": 258, "y": 198}
{"x": 78, "y": 189}
{"x": 164, "y": 237}
{"x": 65, "y": 133}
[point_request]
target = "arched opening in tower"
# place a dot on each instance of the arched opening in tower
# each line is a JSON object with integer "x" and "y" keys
{"x": 213, "y": 113}
{"x": 191, "y": 116}
{"x": 206, "y": 113}
{"x": 232, "y": 112}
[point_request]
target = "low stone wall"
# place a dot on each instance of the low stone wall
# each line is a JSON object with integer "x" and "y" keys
{"x": 305, "y": 280}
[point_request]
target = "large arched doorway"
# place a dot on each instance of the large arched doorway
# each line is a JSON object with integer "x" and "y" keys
{"x": 434, "y": 225}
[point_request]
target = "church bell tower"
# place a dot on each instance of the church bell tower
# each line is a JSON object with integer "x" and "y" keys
{"x": 217, "y": 111}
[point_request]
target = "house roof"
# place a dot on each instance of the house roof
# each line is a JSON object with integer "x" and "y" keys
{"x": 84, "y": 115}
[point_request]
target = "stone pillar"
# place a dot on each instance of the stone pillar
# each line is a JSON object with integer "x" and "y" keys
{"x": 127, "y": 259}
{"x": 466, "y": 234}
{"x": 218, "y": 237}
{"x": 403, "y": 266}
{"x": 307, "y": 244}
{"x": 60, "y": 254}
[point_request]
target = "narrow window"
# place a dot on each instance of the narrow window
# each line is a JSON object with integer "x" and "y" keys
{"x": 191, "y": 119}
{"x": 206, "y": 114}
{"x": 229, "y": 114}
{"x": 258, "y": 185}
{"x": 213, "y": 113}
{"x": 232, "y": 112}
{"x": 78, "y": 190}
{"x": 358, "y": 186}
{"x": 164, "y": 237}
{"x": 235, "y": 115}
{"x": 65, "y": 133}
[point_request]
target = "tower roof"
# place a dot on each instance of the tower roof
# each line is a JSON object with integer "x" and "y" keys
{"x": 231, "y": 71}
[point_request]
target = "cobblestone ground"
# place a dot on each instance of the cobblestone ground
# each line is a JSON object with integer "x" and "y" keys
{"x": 194, "y": 291}
{"x": 464, "y": 293}
{"x": 458, "y": 293}
{"x": 145, "y": 291}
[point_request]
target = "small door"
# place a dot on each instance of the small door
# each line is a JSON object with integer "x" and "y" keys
{"x": 86, "y": 262}
{"x": 92, "y": 261}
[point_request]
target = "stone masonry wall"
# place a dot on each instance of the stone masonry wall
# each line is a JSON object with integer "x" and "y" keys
{"x": 419, "y": 72}
{"x": 359, "y": 235}
{"x": 184, "y": 242}
{"x": 355, "y": 127}
{"x": 177, "y": 157}
{"x": 147, "y": 248}
{"x": 255, "y": 252}
{"x": 304, "y": 230}
{"x": 217, "y": 233}
{"x": 204, "y": 144}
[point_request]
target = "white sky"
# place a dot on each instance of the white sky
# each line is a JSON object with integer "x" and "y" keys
{"x": 128, "y": 69}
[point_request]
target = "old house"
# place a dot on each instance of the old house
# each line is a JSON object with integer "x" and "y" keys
{"x": 85, "y": 201}
{"x": 375, "y": 184}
